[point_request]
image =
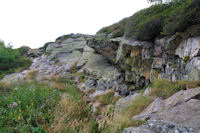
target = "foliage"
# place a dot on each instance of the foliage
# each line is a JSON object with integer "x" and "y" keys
{"x": 45, "y": 46}
{"x": 158, "y": 20}
{"x": 27, "y": 108}
{"x": 186, "y": 59}
{"x": 11, "y": 61}
{"x": 23, "y": 51}
{"x": 116, "y": 29}
{"x": 165, "y": 88}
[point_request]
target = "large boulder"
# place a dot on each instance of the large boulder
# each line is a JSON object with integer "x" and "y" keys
{"x": 189, "y": 48}
{"x": 178, "y": 113}
{"x": 193, "y": 69}
{"x": 123, "y": 103}
{"x": 15, "y": 77}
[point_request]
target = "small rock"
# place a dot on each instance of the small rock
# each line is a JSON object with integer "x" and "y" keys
{"x": 13, "y": 105}
{"x": 147, "y": 91}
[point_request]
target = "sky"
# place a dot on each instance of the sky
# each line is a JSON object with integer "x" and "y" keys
{"x": 35, "y": 22}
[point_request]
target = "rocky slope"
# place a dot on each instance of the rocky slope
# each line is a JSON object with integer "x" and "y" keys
{"x": 101, "y": 63}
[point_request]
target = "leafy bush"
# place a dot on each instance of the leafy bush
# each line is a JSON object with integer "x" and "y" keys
{"x": 23, "y": 51}
{"x": 146, "y": 24}
{"x": 11, "y": 61}
{"x": 165, "y": 88}
{"x": 116, "y": 29}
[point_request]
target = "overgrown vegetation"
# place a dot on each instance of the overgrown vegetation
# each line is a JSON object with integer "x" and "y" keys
{"x": 72, "y": 113}
{"x": 165, "y": 88}
{"x": 158, "y": 20}
{"x": 11, "y": 60}
{"x": 43, "y": 107}
{"x": 27, "y": 108}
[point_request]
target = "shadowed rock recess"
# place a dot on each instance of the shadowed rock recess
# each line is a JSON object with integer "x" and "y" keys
{"x": 123, "y": 68}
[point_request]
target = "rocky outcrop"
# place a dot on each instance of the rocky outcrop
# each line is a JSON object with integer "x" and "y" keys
{"x": 122, "y": 64}
{"x": 178, "y": 113}
{"x": 172, "y": 57}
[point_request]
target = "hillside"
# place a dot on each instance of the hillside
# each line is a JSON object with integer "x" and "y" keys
{"x": 140, "y": 75}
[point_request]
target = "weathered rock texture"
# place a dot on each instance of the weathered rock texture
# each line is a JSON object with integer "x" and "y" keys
{"x": 178, "y": 113}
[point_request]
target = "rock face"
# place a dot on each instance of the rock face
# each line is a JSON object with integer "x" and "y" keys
{"x": 178, "y": 113}
{"x": 122, "y": 64}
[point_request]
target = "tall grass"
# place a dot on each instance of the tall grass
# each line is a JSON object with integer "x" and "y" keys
{"x": 124, "y": 119}
{"x": 165, "y": 88}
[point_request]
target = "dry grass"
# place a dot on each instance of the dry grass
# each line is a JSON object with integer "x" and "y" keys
{"x": 58, "y": 86}
{"x": 71, "y": 115}
{"x": 74, "y": 68}
{"x": 58, "y": 82}
{"x": 123, "y": 120}
{"x": 165, "y": 88}
{"x": 31, "y": 74}
{"x": 5, "y": 86}
{"x": 107, "y": 98}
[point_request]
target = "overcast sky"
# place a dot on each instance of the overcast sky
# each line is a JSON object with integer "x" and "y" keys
{"x": 35, "y": 22}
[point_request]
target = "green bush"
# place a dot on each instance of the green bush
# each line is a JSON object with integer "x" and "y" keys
{"x": 116, "y": 29}
{"x": 146, "y": 24}
{"x": 23, "y": 51}
{"x": 158, "y": 20}
{"x": 11, "y": 60}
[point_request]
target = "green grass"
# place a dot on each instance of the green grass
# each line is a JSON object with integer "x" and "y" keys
{"x": 107, "y": 98}
{"x": 34, "y": 110}
{"x": 165, "y": 88}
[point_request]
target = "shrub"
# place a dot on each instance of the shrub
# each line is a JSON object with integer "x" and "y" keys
{"x": 116, "y": 29}
{"x": 11, "y": 61}
{"x": 186, "y": 59}
{"x": 158, "y": 20}
{"x": 146, "y": 24}
{"x": 23, "y": 51}
{"x": 165, "y": 88}
{"x": 45, "y": 46}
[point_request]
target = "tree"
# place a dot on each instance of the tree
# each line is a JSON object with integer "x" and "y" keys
{"x": 155, "y": 1}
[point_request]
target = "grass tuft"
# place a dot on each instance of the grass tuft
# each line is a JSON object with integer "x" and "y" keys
{"x": 165, "y": 88}
{"x": 107, "y": 98}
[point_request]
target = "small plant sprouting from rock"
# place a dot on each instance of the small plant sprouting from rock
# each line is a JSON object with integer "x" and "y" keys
{"x": 186, "y": 59}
